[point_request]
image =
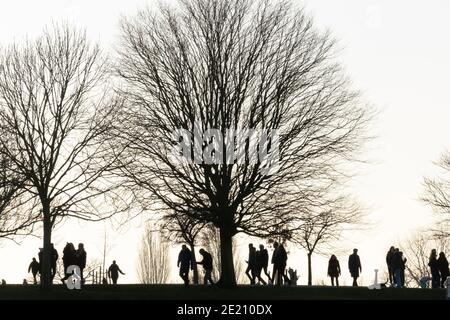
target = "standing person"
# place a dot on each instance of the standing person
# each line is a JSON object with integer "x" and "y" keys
{"x": 443, "y": 268}
{"x": 184, "y": 263}
{"x": 251, "y": 264}
{"x": 398, "y": 266}
{"x": 113, "y": 272}
{"x": 81, "y": 256}
{"x": 282, "y": 261}
{"x": 433, "y": 264}
{"x": 389, "y": 256}
{"x": 275, "y": 262}
{"x": 34, "y": 268}
{"x": 334, "y": 270}
{"x": 264, "y": 260}
{"x": 54, "y": 256}
{"x": 207, "y": 263}
{"x": 402, "y": 272}
{"x": 354, "y": 265}
{"x": 69, "y": 258}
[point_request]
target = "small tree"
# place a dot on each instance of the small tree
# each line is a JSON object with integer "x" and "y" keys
{"x": 417, "y": 251}
{"x": 153, "y": 261}
{"x": 178, "y": 228}
{"x": 320, "y": 227}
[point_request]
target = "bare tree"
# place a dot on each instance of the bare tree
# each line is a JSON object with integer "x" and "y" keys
{"x": 153, "y": 260}
{"x": 54, "y": 112}
{"x": 437, "y": 194}
{"x": 417, "y": 250}
{"x": 240, "y": 64}
{"x": 319, "y": 229}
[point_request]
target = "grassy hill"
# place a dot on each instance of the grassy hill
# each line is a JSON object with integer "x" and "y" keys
{"x": 179, "y": 292}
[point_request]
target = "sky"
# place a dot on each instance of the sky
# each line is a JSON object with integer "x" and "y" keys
{"x": 395, "y": 52}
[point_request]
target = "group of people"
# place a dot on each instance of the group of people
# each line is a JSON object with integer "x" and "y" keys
{"x": 186, "y": 261}
{"x": 354, "y": 266}
{"x": 71, "y": 257}
{"x": 396, "y": 265}
{"x": 258, "y": 261}
{"x": 439, "y": 269}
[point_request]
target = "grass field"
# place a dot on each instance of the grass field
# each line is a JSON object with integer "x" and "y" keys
{"x": 179, "y": 292}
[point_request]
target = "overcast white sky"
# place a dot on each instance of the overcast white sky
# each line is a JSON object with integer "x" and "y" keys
{"x": 396, "y": 52}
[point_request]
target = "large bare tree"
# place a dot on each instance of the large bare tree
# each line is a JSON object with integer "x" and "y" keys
{"x": 55, "y": 114}
{"x": 239, "y": 64}
{"x": 437, "y": 194}
{"x": 153, "y": 260}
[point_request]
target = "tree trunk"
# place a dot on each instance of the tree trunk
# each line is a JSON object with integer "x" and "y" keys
{"x": 309, "y": 270}
{"x": 194, "y": 264}
{"x": 46, "y": 276}
{"x": 227, "y": 275}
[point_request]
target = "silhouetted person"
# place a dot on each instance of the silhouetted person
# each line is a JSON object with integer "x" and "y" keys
{"x": 263, "y": 257}
{"x": 274, "y": 261}
{"x": 207, "y": 264}
{"x": 354, "y": 265}
{"x": 389, "y": 257}
{"x": 69, "y": 258}
{"x": 434, "y": 268}
{"x": 184, "y": 263}
{"x": 279, "y": 260}
{"x": 34, "y": 268}
{"x": 251, "y": 264}
{"x": 113, "y": 272}
{"x": 80, "y": 258}
{"x": 54, "y": 259}
{"x": 443, "y": 268}
{"x": 398, "y": 266}
{"x": 334, "y": 270}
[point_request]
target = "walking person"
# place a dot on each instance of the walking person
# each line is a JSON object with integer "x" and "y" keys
{"x": 113, "y": 272}
{"x": 354, "y": 265}
{"x": 184, "y": 263}
{"x": 443, "y": 268}
{"x": 264, "y": 260}
{"x": 34, "y": 268}
{"x": 434, "y": 268}
{"x": 207, "y": 264}
{"x": 282, "y": 262}
{"x": 251, "y": 264}
{"x": 334, "y": 270}
{"x": 80, "y": 258}
{"x": 389, "y": 256}
{"x": 259, "y": 265}
{"x": 275, "y": 262}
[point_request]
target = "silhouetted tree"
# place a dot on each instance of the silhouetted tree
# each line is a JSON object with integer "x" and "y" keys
{"x": 437, "y": 194}
{"x": 179, "y": 228}
{"x": 54, "y": 112}
{"x": 321, "y": 225}
{"x": 154, "y": 260}
{"x": 417, "y": 250}
{"x": 236, "y": 64}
